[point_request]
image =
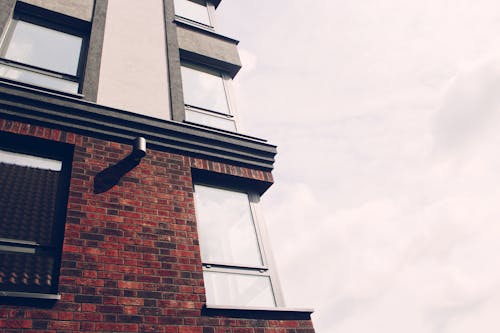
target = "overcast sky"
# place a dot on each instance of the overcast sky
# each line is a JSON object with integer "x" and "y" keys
{"x": 385, "y": 212}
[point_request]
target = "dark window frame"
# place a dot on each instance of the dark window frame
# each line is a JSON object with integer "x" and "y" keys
{"x": 55, "y": 21}
{"x": 62, "y": 152}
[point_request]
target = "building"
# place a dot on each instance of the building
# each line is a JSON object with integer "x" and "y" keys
{"x": 100, "y": 234}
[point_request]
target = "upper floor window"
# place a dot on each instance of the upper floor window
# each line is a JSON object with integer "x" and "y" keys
{"x": 33, "y": 196}
{"x": 42, "y": 54}
{"x": 207, "y": 98}
{"x": 195, "y": 10}
{"x": 235, "y": 268}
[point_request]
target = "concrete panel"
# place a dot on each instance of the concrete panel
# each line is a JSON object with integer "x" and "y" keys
{"x": 133, "y": 74}
{"x": 92, "y": 68}
{"x": 174, "y": 64}
{"x": 6, "y": 8}
{"x": 209, "y": 48}
{"x": 81, "y": 9}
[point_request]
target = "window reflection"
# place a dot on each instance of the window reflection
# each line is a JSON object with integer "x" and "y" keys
{"x": 226, "y": 228}
{"x": 193, "y": 10}
{"x": 31, "y": 161}
{"x": 41, "y": 56}
{"x": 238, "y": 289}
{"x": 30, "y": 77}
{"x": 43, "y": 47}
{"x": 204, "y": 90}
{"x": 204, "y": 118}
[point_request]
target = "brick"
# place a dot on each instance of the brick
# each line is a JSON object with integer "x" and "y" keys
{"x": 109, "y": 309}
{"x": 130, "y": 301}
{"x": 88, "y": 299}
{"x": 88, "y": 316}
{"x": 130, "y": 260}
{"x": 130, "y": 319}
{"x": 40, "y": 324}
{"x": 15, "y": 323}
{"x": 64, "y": 325}
{"x": 130, "y": 285}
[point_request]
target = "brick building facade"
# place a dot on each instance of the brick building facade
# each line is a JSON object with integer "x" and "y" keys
{"x": 97, "y": 238}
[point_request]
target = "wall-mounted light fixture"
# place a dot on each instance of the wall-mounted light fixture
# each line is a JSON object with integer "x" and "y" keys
{"x": 110, "y": 176}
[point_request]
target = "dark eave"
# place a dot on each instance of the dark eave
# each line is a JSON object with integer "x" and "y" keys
{"x": 79, "y": 116}
{"x": 215, "y": 2}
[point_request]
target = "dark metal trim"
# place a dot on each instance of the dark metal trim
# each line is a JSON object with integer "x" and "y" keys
{"x": 211, "y": 264}
{"x": 215, "y": 2}
{"x": 80, "y": 116}
{"x": 256, "y": 312}
{"x": 212, "y": 112}
{"x": 236, "y": 183}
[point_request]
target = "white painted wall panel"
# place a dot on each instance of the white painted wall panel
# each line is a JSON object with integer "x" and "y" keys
{"x": 133, "y": 73}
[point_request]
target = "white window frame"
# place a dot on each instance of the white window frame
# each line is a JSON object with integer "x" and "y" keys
{"x": 266, "y": 269}
{"x": 227, "y": 84}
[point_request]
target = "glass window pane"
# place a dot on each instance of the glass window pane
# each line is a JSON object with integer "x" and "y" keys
{"x": 38, "y": 79}
{"x": 238, "y": 289}
{"x": 31, "y": 161}
{"x": 193, "y": 10}
{"x": 204, "y": 90}
{"x": 210, "y": 120}
{"x": 43, "y": 47}
{"x": 226, "y": 229}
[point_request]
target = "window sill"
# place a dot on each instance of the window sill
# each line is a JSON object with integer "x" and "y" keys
{"x": 193, "y": 23}
{"x": 32, "y": 87}
{"x": 275, "y": 313}
{"x": 17, "y": 294}
{"x": 28, "y": 299}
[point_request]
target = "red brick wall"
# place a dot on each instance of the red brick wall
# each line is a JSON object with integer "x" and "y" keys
{"x": 131, "y": 260}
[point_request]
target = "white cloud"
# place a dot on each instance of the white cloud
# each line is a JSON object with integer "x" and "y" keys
{"x": 384, "y": 212}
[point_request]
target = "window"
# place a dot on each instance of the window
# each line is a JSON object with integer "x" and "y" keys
{"x": 235, "y": 269}
{"x": 42, "y": 54}
{"x": 33, "y": 196}
{"x": 195, "y": 10}
{"x": 206, "y": 96}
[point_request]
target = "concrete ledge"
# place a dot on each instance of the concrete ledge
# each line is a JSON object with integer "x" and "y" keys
{"x": 72, "y": 114}
{"x": 206, "y": 47}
